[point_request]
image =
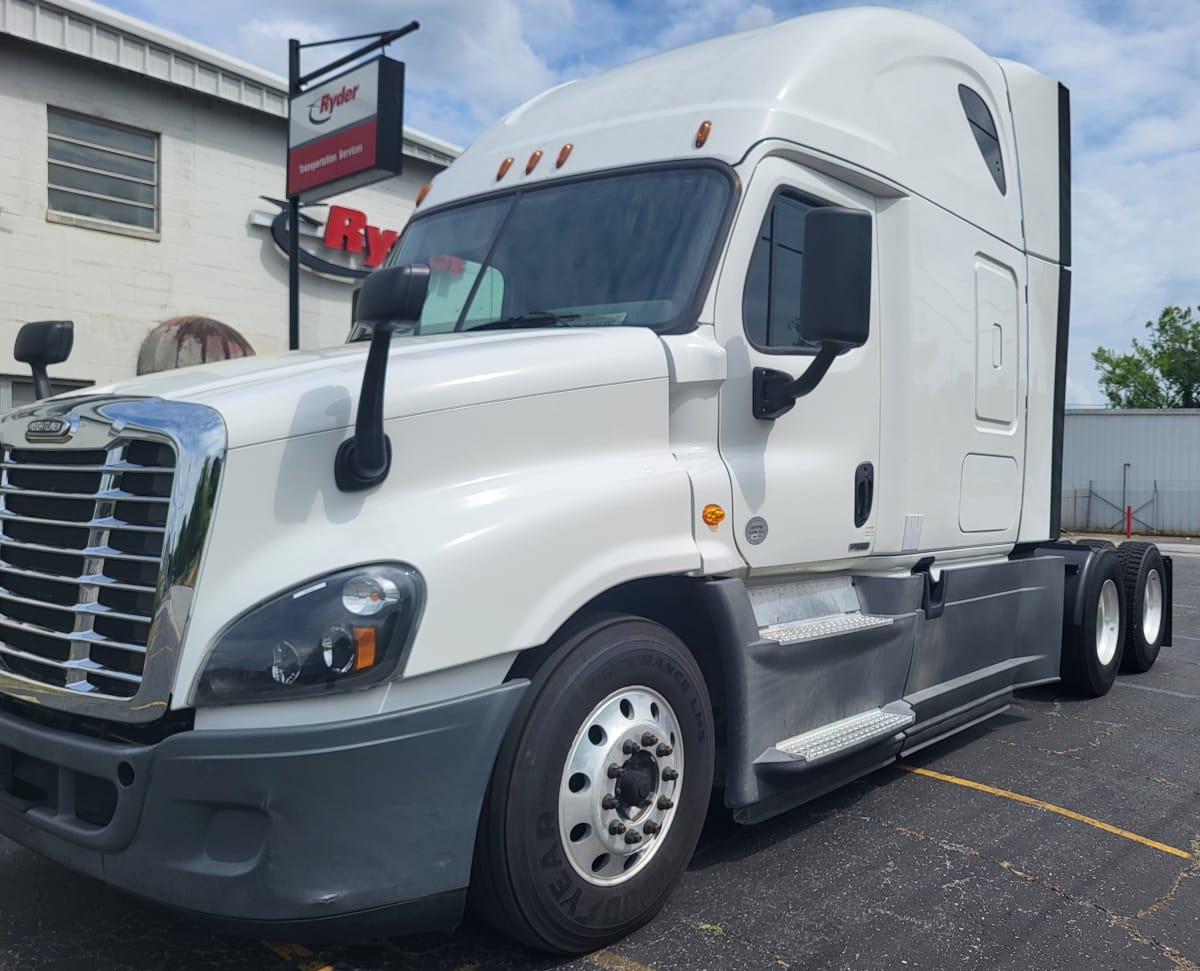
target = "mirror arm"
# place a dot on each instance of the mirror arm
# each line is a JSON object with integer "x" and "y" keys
{"x": 364, "y": 460}
{"x": 775, "y": 392}
{"x": 41, "y": 381}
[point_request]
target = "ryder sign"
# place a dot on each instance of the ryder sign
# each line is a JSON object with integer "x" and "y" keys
{"x": 347, "y": 132}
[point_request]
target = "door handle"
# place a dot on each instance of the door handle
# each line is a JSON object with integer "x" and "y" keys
{"x": 864, "y": 493}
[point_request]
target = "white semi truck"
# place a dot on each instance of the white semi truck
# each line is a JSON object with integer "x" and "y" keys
{"x": 709, "y": 435}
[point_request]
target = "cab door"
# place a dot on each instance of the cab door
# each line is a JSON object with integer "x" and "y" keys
{"x": 806, "y": 484}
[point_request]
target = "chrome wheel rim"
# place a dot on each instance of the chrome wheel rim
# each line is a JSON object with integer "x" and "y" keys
{"x": 1108, "y": 623}
{"x": 622, "y": 779}
{"x": 1152, "y": 607}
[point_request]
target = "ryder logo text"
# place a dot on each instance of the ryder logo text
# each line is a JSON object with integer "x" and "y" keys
{"x": 322, "y": 109}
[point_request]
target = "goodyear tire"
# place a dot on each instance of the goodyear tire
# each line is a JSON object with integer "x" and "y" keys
{"x": 1146, "y": 604}
{"x": 599, "y": 791}
{"x": 1092, "y": 650}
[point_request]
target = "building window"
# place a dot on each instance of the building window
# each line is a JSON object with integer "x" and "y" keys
{"x": 102, "y": 175}
{"x": 16, "y": 391}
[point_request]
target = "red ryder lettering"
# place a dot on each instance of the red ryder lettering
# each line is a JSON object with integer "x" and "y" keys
{"x": 322, "y": 110}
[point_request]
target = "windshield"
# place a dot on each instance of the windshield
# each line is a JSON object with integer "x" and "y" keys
{"x": 623, "y": 249}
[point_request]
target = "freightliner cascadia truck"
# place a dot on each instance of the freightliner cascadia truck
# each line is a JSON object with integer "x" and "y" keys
{"x": 703, "y": 432}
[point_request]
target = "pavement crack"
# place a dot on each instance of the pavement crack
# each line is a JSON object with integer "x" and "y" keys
{"x": 1167, "y": 898}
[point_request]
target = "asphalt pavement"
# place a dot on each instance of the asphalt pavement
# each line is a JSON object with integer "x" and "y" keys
{"x": 1060, "y": 834}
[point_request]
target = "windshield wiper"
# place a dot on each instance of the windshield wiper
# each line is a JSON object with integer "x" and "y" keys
{"x": 535, "y": 318}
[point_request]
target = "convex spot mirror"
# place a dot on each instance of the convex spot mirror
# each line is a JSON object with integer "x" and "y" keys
{"x": 40, "y": 344}
{"x": 835, "y": 278}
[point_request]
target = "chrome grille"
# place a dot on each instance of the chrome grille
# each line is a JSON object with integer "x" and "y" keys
{"x": 81, "y": 550}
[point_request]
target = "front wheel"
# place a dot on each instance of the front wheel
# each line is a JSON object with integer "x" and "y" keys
{"x": 599, "y": 791}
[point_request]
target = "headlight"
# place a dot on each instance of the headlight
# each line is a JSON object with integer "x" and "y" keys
{"x": 349, "y": 630}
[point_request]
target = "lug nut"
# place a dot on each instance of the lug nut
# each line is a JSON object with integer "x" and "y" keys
{"x": 649, "y": 741}
{"x": 629, "y": 747}
{"x": 651, "y": 827}
{"x": 615, "y": 771}
{"x": 616, "y": 827}
{"x": 663, "y": 750}
{"x": 633, "y": 836}
{"x": 610, "y": 802}
{"x": 669, "y": 774}
{"x": 664, "y": 803}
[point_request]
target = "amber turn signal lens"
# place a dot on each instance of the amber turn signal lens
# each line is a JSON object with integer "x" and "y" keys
{"x": 364, "y": 647}
{"x": 564, "y": 153}
{"x": 702, "y": 133}
{"x": 533, "y": 161}
{"x": 424, "y": 192}
{"x": 504, "y": 167}
{"x": 713, "y": 514}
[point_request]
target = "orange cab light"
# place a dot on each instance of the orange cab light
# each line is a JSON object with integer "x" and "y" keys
{"x": 424, "y": 192}
{"x": 504, "y": 167}
{"x": 564, "y": 153}
{"x": 364, "y": 647}
{"x": 533, "y": 161}
{"x": 713, "y": 514}
{"x": 702, "y": 133}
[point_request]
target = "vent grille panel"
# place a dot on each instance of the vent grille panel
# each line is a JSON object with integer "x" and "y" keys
{"x": 81, "y": 542}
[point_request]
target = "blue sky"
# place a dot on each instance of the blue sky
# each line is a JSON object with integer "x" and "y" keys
{"x": 1133, "y": 70}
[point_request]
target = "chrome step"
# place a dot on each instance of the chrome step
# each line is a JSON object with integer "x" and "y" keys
{"x": 849, "y": 733}
{"x": 831, "y": 626}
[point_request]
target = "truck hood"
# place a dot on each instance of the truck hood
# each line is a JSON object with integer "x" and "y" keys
{"x": 302, "y": 392}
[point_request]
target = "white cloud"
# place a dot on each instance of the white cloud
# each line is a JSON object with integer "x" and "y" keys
{"x": 755, "y": 15}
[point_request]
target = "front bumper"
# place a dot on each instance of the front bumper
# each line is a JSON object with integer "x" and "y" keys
{"x": 366, "y": 825}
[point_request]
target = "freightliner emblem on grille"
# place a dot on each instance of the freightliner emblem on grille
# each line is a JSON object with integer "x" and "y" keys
{"x": 48, "y": 430}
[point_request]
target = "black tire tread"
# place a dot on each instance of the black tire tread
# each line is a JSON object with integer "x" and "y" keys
{"x": 1077, "y": 667}
{"x": 1138, "y": 657}
{"x": 493, "y": 895}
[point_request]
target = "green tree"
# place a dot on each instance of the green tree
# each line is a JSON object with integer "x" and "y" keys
{"x": 1163, "y": 372}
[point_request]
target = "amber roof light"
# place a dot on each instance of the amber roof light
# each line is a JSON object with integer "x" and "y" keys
{"x": 533, "y": 161}
{"x": 504, "y": 167}
{"x": 564, "y": 153}
{"x": 702, "y": 133}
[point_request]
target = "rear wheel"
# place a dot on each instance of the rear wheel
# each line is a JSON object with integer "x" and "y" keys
{"x": 600, "y": 789}
{"x": 1146, "y": 604}
{"x": 1091, "y": 651}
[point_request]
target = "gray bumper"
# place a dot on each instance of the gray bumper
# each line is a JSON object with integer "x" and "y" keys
{"x": 368, "y": 823}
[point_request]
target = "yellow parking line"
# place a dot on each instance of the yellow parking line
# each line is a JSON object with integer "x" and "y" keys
{"x": 1049, "y": 807}
{"x": 299, "y": 956}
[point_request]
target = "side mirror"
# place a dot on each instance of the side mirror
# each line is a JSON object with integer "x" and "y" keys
{"x": 41, "y": 343}
{"x": 835, "y": 303}
{"x": 387, "y": 299}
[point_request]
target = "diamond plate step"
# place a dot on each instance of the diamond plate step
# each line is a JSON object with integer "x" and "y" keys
{"x": 849, "y": 733}
{"x": 807, "y": 630}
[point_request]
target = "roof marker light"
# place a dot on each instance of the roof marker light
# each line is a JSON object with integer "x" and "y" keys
{"x": 533, "y": 161}
{"x": 424, "y": 192}
{"x": 713, "y": 515}
{"x": 702, "y": 133}
{"x": 564, "y": 153}
{"x": 504, "y": 167}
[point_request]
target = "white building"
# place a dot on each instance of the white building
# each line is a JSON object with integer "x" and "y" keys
{"x": 132, "y": 168}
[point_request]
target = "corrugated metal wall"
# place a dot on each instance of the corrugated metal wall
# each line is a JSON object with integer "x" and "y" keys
{"x": 1146, "y": 459}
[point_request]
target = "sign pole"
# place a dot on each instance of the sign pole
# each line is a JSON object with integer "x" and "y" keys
{"x": 293, "y": 215}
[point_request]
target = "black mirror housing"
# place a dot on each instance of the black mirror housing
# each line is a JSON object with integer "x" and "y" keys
{"x": 835, "y": 278}
{"x": 835, "y": 304}
{"x": 44, "y": 342}
{"x": 41, "y": 343}
{"x": 394, "y": 294}
{"x": 387, "y": 298}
